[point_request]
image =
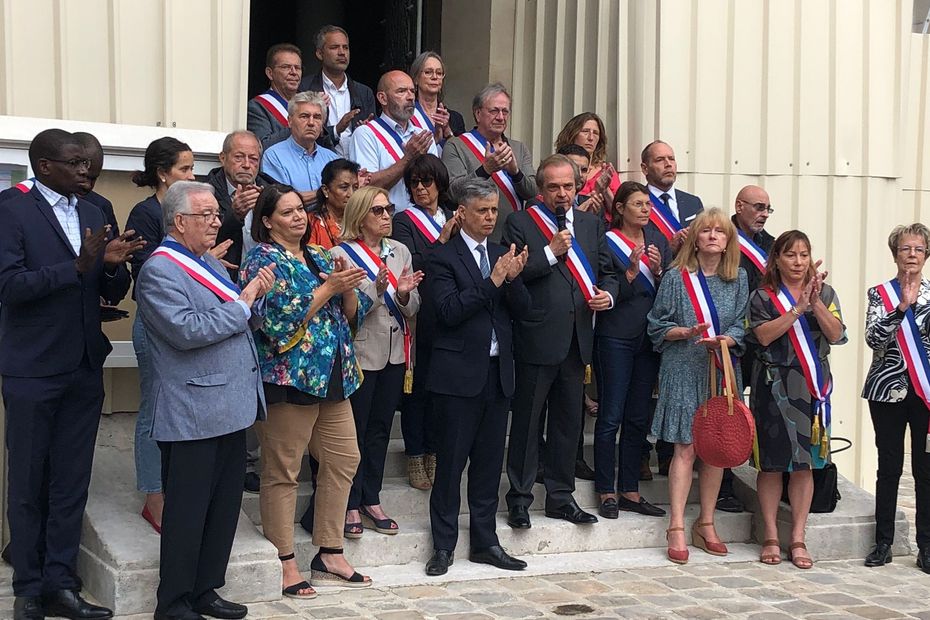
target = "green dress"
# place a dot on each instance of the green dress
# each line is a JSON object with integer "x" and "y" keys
{"x": 683, "y": 373}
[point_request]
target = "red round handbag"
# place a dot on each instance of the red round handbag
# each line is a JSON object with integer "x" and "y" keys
{"x": 723, "y": 428}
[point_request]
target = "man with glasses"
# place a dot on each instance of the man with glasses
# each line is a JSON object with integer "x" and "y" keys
{"x": 266, "y": 114}
{"x": 486, "y": 152}
{"x": 388, "y": 144}
{"x": 350, "y": 103}
{"x": 58, "y": 260}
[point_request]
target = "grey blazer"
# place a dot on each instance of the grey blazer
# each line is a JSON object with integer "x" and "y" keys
{"x": 206, "y": 381}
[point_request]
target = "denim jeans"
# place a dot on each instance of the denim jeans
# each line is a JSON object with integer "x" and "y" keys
{"x": 626, "y": 369}
{"x": 148, "y": 456}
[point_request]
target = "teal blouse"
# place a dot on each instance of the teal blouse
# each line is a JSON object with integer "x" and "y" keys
{"x": 292, "y": 351}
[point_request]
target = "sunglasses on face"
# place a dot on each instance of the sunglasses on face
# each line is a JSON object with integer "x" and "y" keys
{"x": 379, "y": 210}
{"x": 425, "y": 182}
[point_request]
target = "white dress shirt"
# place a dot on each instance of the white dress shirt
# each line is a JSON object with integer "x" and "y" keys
{"x": 65, "y": 209}
{"x": 473, "y": 248}
{"x": 672, "y": 199}
{"x": 340, "y": 103}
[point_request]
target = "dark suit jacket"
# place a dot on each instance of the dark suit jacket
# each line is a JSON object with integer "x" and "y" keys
{"x": 689, "y": 206}
{"x": 49, "y": 313}
{"x": 560, "y": 306}
{"x": 468, "y": 306}
{"x": 231, "y": 227}
{"x": 404, "y": 230}
{"x": 92, "y": 197}
{"x": 360, "y": 96}
{"x": 146, "y": 219}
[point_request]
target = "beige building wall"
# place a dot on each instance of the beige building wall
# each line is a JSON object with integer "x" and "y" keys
{"x": 822, "y": 102}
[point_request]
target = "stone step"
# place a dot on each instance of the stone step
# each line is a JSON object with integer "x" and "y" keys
{"x": 400, "y": 499}
{"x": 396, "y": 432}
{"x": 413, "y": 543}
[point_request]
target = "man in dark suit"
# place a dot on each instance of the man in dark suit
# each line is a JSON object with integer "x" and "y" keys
{"x": 57, "y": 260}
{"x": 350, "y": 103}
{"x": 661, "y": 170}
{"x": 552, "y": 350}
{"x": 474, "y": 304}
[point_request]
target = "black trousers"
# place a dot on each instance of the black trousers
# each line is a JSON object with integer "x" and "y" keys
{"x": 417, "y": 419}
{"x": 373, "y": 407}
{"x": 562, "y": 386}
{"x": 472, "y": 430}
{"x": 889, "y": 421}
{"x": 51, "y": 429}
{"x": 202, "y": 481}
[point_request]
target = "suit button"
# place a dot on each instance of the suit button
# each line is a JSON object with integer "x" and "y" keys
{"x": 254, "y": 368}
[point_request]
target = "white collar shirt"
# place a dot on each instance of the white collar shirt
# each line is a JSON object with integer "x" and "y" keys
{"x": 672, "y": 199}
{"x": 65, "y": 209}
{"x": 340, "y": 103}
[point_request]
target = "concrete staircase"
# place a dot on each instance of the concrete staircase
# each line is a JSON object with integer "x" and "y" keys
{"x": 119, "y": 555}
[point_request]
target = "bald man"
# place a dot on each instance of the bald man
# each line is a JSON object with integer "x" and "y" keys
{"x": 387, "y": 145}
{"x": 753, "y": 208}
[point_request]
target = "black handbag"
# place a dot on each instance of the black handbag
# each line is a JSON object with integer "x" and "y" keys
{"x": 826, "y": 491}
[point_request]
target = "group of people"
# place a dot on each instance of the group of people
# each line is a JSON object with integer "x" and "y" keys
{"x": 338, "y": 266}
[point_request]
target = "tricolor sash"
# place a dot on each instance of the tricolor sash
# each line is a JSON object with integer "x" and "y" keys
{"x": 388, "y": 138}
{"x": 476, "y": 144}
{"x": 819, "y": 385}
{"x": 198, "y": 269}
{"x": 911, "y": 345}
{"x": 365, "y": 258}
{"x": 576, "y": 261}
{"x": 663, "y": 218}
{"x": 424, "y": 223}
{"x": 701, "y": 300}
{"x": 752, "y": 251}
{"x": 275, "y": 104}
{"x": 421, "y": 119}
{"x": 623, "y": 247}
{"x": 25, "y": 186}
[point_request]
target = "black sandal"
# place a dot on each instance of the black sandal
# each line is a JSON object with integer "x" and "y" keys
{"x": 383, "y": 526}
{"x": 353, "y": 530}
{"x": 320, "y": 576}
{"x": 293, "y": 591}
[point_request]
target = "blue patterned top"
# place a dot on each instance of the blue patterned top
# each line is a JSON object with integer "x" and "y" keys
{"x": 290, "y": 354}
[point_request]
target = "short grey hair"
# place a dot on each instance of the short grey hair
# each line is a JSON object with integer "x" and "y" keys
{"x": 491, "y": 90}
{"x": 228, "y": 140}
{"x": 178, "y": 199}
{"x": 898, "y": 232}
{"x": 308, "y": 96}
{"x": 320, "y": 39}
{"x": 465, "y": 190}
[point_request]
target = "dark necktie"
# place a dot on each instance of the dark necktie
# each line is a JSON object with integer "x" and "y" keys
{"x": 665, "y": 198}
{"x": 485, "y": 268}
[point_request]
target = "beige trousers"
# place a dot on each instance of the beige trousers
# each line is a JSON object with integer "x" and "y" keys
{"x": 328, "y": 430}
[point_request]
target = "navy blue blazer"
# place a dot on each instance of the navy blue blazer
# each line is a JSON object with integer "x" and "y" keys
{"x": 689, "y": 206}
{"x": 467, "y": 307}
{"x": 92, "y": 197}
{"x": 49, "y": 313}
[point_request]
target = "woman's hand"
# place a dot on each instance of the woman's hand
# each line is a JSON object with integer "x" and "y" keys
{"x": 713, "y": 344}
{"x": 633, "y": 270}
{"x": 258, "y": 286}
{"x": 686, "y": 333}
{"x": 655, "y": 260}
{"x": 910, "y": 289}
{"x": 343, "y": 278}
{"x": 407, "y": 282}
{"x": 381, "y": 280}
{"x": 451, "y": 227}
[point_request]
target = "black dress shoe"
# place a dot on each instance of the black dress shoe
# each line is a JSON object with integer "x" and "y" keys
{"x": 519, "y": 518}
{"x": 221, "y": 608}
{"x": 923, "y": 560}
{"x": 252, "y": 482}
{"x": 879, "y": 556}
{"x": 642, "y": 507}
{"x": 440, "y": 562}
{"x": 496, "y": 556}
{"x": 188, "y": 614}
{"x": 69, "y": 604}
{"x": 28, "y": 608}
{"x": 608, "y": 509}
{"x": 583, "y": 471}
{"x": 571, "y": 512}
{"x": 729, "y": 503}
{"x": 5, "y": 554}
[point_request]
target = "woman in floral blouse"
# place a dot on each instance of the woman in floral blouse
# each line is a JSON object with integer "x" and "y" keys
{"x": 308, "y": 366}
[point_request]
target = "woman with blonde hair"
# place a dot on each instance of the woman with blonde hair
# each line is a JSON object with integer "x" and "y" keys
{"x": 382, "y": 346}
{"x": 700, "y": 302}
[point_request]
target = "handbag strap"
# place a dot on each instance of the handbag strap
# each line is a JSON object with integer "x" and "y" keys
{"x": 728, "y": 375}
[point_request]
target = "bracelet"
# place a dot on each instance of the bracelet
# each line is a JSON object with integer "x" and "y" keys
{"x": 794, "y": 311}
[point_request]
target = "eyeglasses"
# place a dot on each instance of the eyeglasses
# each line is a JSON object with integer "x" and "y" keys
{"x": 640, "y": 204}
{"x": 208, "y": 217}
{"x": 289, "y": 68}
{"x": 380, "y": 210}
{"x": 434, "y": 73}
{"x": 505, "y": 112}
{"x": 907, "y": 249}
{"x": 72, "y": 163}
{"x": 425, "y": 182}
{"x": 759, "y": 207}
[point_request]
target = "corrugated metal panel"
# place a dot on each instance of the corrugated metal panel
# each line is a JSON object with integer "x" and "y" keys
{"x": 171, "y": 62}
{"x": 823, "y": 102}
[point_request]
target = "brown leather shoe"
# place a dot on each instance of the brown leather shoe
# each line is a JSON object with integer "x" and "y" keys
{"x": 645, "y": 472}
{"x": 416, "y": 473}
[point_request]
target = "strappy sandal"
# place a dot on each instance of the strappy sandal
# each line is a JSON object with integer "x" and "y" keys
{"x": 698, "y": 540}
{"x": 772, "y": 559}
{"x": 802, "y": 563}
{"x": 320, "y": 576}
{"x": 293, "y": 591}
{"x": 678, "y": 556}
{"x": 383, "y": 526}
{"x": 353, "y": 530}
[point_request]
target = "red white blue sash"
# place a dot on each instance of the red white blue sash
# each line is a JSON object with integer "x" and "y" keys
{"x": 476, "y": 144}
{"x": 424, "y": 223}
{"x": 389, "y": 139}
{"x": 701, "y": 300}
{"x": 576, "y": 261}
{"x": 663, "y": 218}
{"x": 198, "y": 269}
{"x": 25, "y": 186}
{"x": 819, "y": 385}
{"x": 275, "y": 104}
{"x": 623, "y": 247}
{"x": 421, "y": 119}
{"x": 756, "y": 255}
{"x": 910, "y": 343}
